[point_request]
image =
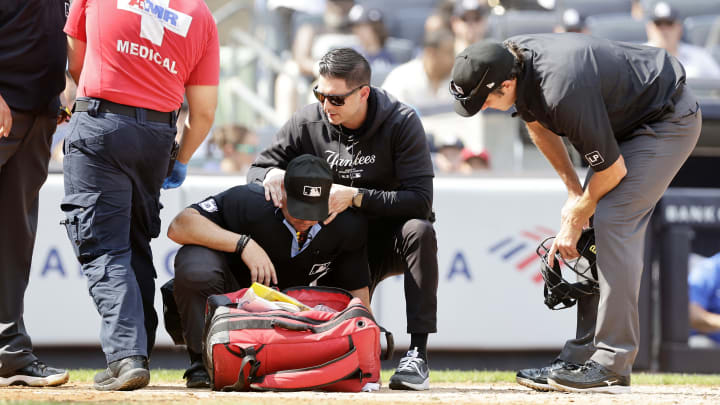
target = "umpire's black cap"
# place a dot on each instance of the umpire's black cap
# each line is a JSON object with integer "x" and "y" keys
{"x": 478, "y": 70}
{"x": 308, "y": 180}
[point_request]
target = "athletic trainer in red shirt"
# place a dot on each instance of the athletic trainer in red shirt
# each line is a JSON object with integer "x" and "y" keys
{"x": 133, "y": 60}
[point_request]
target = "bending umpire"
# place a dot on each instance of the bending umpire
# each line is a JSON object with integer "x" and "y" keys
{"x": 626, "y": 109}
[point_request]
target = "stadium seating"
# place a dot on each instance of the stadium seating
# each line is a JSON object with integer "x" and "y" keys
{"x": 617, "y": 27}
{"x": 398, "y": 6}
{"x": 519, "y": 22}
{"x": 410, "y": 24}
{"x": 697, "y": 28}
{"x": 595, "y": 7}
{"x": 401, "y": 49}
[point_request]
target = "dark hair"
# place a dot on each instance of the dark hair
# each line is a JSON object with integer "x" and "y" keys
{"x": 346, "y": 64}
{"x": 519, "y": 64}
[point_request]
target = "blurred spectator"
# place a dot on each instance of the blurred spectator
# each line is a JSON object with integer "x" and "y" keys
{"x": 425, "y": 80}
{"x": 281, "y": 15}
{"x": 474, "y": 161}
{"x": 636, "y": 10}
{"x": 572, "y": 21}
{"x": 335, "y": 20}
{"x": 664, "y": 30}
{"x": 704, "y": 308}
{"x": 239, "y": 147}
{"x": 369, "y": 29}
{"x": 448, "y": 154}
{"x": 440, "y": 19}
{"x": 437, "y": 22}
{"x": 469, "y": 22}
{"x": 311, "y": 41}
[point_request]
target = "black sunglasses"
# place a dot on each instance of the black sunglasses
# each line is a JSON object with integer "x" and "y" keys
{"x": 337, "y": 100}
{"x": 458, "y": 93}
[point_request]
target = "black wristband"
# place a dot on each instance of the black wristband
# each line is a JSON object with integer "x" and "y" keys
{"x": 241, "y": 243}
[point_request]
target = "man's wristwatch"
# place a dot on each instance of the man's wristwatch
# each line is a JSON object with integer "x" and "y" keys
{"x": 357, "y": 198}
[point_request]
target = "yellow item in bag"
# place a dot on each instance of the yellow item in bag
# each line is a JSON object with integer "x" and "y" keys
{"x": 269, "y": 294}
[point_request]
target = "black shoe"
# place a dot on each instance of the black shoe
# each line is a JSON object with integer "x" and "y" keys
{"x": 536, "y": 378}
{"x": 126, "y": 374}
{"x": 591, "y": 377}
{"x": 196, "y": 376}
{"x": 412, "y": 373}
{"x": 36, "y": 374}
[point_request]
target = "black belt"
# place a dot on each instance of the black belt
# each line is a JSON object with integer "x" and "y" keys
{"x": 129, "y": 111}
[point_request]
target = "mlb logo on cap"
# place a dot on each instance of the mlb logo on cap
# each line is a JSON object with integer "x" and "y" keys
{"x": 311, "y": 191}
{"x": 308, "y": 180}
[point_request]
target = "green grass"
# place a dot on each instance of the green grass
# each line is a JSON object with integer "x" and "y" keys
{"x": 451, "y": 376}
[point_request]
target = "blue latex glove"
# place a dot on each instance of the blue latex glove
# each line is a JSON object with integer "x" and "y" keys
{"x": 176, "y": 177}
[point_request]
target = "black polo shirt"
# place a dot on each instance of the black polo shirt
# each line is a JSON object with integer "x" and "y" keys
{"x": 594, "y": 91}
{"x": 32, "y": 54}
{"x": 336, "y": 255}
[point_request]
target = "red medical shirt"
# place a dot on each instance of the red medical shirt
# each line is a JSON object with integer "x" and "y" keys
{"x": 144, "y": 53}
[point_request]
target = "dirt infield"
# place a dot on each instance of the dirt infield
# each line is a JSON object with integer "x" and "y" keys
{"x": 501, "y": 393}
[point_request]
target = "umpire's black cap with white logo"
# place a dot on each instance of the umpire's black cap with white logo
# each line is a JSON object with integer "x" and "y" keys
{"x": 478, "y": 70}
{"x": 308, "y": 180}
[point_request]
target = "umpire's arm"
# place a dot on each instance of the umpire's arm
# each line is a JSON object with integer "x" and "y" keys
{"x": 192, "y": 228}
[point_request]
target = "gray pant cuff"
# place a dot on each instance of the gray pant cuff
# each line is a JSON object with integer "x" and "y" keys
{"x": 125, "y": 353}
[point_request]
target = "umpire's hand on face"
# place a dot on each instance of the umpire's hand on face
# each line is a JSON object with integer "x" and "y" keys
{"x": 5, "y": 119}
{"x": 257, "y": 260}
{"x": 274, "y": 184}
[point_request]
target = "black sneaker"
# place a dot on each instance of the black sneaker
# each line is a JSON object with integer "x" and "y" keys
{"x": 196, "y": 376}
{"x": 36, "y": 374}
{"x": 126, "y": 374}
{"x": 536, "y": 378}
{"x": 591, "y": 377}
{"x": 412, "y": 373}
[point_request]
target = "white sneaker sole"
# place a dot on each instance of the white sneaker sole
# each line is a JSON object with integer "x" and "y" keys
{"x": 49, "y": 381}
{"x": 532, "y": 384}
{"x": 404, "y": 385}
{"x": 611, "y": 389}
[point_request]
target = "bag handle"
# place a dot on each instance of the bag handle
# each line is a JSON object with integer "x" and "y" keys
{"x": 249, "y": 357}
{"x": 298, "y": 327}
{"x": 347, "y": 366}
{"x": 390, "y": 341}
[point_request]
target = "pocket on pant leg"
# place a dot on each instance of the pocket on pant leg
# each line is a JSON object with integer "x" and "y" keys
{"x": 79, "y": 211}
{"x": 155, "y": 208}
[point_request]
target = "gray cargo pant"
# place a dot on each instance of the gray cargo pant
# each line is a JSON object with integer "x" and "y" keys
{"x": 24, "y": 157}
{"x": 608, "y": 326}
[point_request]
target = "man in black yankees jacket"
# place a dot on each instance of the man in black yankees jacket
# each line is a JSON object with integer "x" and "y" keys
{"x": 378, "y": 152}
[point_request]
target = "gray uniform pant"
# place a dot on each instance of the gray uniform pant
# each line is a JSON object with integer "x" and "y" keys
{"x": 608, "y": 327}
{"x": 24, "y": 157}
